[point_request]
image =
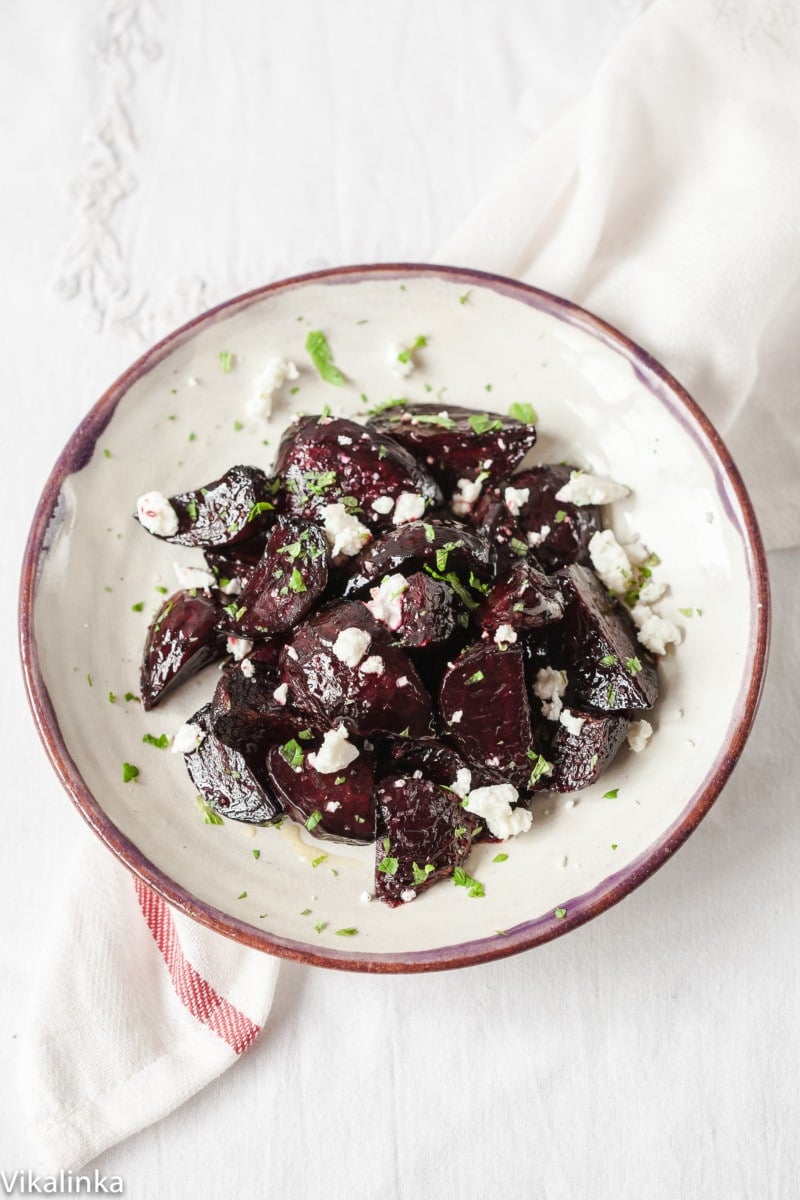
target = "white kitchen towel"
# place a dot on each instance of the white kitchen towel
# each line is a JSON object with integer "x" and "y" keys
{"x": 668, "y": 203}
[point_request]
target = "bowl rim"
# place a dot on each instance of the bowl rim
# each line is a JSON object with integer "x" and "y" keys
{"x": 528, "y": 934}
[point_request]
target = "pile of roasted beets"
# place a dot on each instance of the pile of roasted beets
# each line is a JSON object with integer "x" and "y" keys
{"x": 448, "y": 618}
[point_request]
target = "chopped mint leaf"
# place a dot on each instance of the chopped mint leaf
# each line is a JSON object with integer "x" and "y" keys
{"x": 462, "y": 879}
{"x": 388, "y": 866}
{"x": 540, "y": 767}
{"x": 386, "y": 844}
{"x": 238, "y": 426}
{"x": 633, "y": 665}
{"x": 613, "y": 845}
{"x": 560, "y": 516}
{"x": 608, "y": 660}
{"x": 487, "y": 387}
{"x": 421, "y": 873}
{"x": 418, "y": 343}
{"x": 317, "y": 482}
{"x": 160, "y": 742}
{"x": 161, "y": 590}
{"x": 442, "y": 553}
{"x": 192, "y": 437}
{"x": 138, "y": 606}
{"x": 129, "y": 772}
{"x": 320, "y": 353}
{"x": 341, "y": 779}
{"x": 523, "y": 412}
{"x": 305, "y": 735}
{"x": 500, "y": 858}
{"x": 292, "y": 752}
{"x": 130, "y": 696}
{"x": 89, "y": 679}
{"x": 441, "y": 420}
{"x": 686, "y": 612}
{"x": 320, "y": 925}
{"x": 561, "y": 913}
{"x": 209, "y": 816}
{"x": 112, "y": 697}
{"x": 306, "y": 912}
{"x": 349, "y": 932}
{"x": 464, "y": 297}
{"x": 519, "y": 548}
{"x": 257, "y": 509}
{"x": 326, "y": 412}
{"x": 317, "y": 862}
{"x": 612, "y": 795}
{"x": 256, "y": 854}
{"x": 107, "y": 453}
{"x": 226, "y": 361}
{"x": 483, "y": 423}
{"x": 430, "y": 533}
{"x": 296, "y": 582}
{"x": 476, "y": 678}
{"x": 377, "y": 409}
{"x": 611, "y": 697}
{"x": 314, "y": 820}
{"x": 191, "y": 509}
{"x": 242, "y": 896}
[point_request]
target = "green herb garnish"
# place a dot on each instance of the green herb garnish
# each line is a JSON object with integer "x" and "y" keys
{"x": 540, "y": 767}
{"x": 388, "y": 866}
{"x": 462, "y": 879}
{"x": 561, "y": 913}
{"x": 405, "y": 355}
{"x": 226, "y": 361}
{"x": 421, "y": 873}
{"x": 560, "y": 516}
{"x": 349, "y": 932}
{"x": 523, "y": 412}
{"x": 320, "y": 353}
{"x": 138, "y": 606}
{"x": 500, "y": 858}
{"x": 633, "y": 665}
{"x": 476, "y": 678}
{"x": 483, "y": 423}
{"x": 160, "y": 742}
{"x": 612, "y": 795}
{"x": 209, "y": 816}
{"x": 129, "y": 772}
{"x": 296, "y": 582}
{"x": 314, "y": 820}
{"x": 292, "y": 752}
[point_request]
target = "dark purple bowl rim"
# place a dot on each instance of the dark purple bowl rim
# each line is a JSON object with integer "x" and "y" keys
{"x": 580, "y": 909}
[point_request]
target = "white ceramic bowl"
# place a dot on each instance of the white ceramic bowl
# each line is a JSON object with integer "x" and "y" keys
{"x": 602, "y": 402}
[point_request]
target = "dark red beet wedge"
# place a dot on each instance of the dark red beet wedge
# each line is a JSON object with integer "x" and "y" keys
{"x": 235, "y": 564}
{"x": 525, "y": 599}
{"x": 579, "y": 759}
{"x": 422, "y": 833}
{"x": 231, "y": 509}
{"x": 563, "y": 531}
{"x": 381, "y": 693}
{"x": 245, "y": 713}
{"x": 457, "y": 443}
{"x": 287, "y": 582}
{"x": 183, "y": 637}
{"x": 229, "y": 781}
{"x": 325, "y": 460}
{"x": 607, "y": 666}
{"x": 336, "y": 805}
{"x": 484, "y": 704}
{"x": 450, "y": 550}
{"x": 425, "y": 609}
{"x": 434, "y": 759}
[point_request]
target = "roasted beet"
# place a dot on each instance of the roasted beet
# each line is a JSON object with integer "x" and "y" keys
{"x": 231, "y": 509}
{"x": 419, "y": 611}
{"x": 484, "y": 704}
{"x": 525, "y": 599}
{"x": 323, "y": 460}
{"x": 579, "y": 758}
{"x": 423, "y": 834}
{"x": 444, "y": 547}
{"x": 337, "y": 805}
{"x": 373, "y": 686}
{"x": 558, "y": 531}
{"x": 286, "y": 583}
{"x": 231, "y": 783}
{"x": 436, "y": 761}
{"x": 182, "y": 638}
{"x": 233, "y": 565}
{"x": 607, "y": 666}
{"x": 245, "y": 712}
{"x": 457, "y": 443}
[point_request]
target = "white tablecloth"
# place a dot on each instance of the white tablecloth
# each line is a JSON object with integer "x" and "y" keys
{"x": 156, "y": 160}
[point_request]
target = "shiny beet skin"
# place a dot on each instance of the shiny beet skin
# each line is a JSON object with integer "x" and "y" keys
{"x": 183, "y": 637}
{"x": 525, "y": 599}
{"x": 336, "y": 805}
{"x": 579, "y": 759}
{"x": 566, "y": 528}
{"x": 232, "y": 783}
{"x": 230, "y": 510}
{"x": 245, "y": 713}
{"x": 441, "y": 546}
{"x": 286, "y": 583}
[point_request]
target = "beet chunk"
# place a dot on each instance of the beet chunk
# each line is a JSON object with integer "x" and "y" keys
{"x": 387, "y": 697}
{"x": 484, "y": 703}
{"x": 525, "y": 599}
{"x": 419, "y": 825}
{"x": 245, "y": 713}
{"x": 437, "y": 761}
{"x": 607, "y": 667}
{"x": 566, "y": 528}
{"x": 182, "y": 638}
{"x": 578, "y": 759}
{"x": 231, "y": 783}
{"x": 229, "y": 563}
{"x": 286, "y": 583}
{"x": 227, "y": 511}
{"x": 442, "y": 546}
{"x": 456, "y": 443}
{"x": 336, "y": 806}
{"x": 419, "y": 611}
{"x": 323, "y": 460}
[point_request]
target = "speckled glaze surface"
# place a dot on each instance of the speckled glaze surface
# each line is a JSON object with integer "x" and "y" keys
{"x": 602, "y": 403}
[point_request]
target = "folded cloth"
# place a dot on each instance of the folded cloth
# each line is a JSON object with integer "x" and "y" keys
{"x": 138, "y": 1008}
{"x": 668, "y": 203}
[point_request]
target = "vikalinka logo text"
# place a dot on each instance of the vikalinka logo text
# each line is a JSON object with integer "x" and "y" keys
{"x": 65, "y": 1183}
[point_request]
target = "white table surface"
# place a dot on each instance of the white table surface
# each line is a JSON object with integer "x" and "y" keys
{"x": 159, "y": 159}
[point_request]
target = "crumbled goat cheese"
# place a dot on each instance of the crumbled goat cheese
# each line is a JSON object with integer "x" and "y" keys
{"x": 281, "y": 693}
{"x": 335, "y": 753}
{"x": 157, "y": 514}
{"x": 344, "y": 532}
{"x": 655, "y": 632}
{"x": 344, "y": 440}
{"x": 188, "y": 739}
{"x": 192, "y": 381}
{"x": 239, "y": 647}
{"x": 386, "y": 605}
{"x": 536, "y": 536}
{"x": 351, "y": 645}
{"x": 333, "y": 806}
{"x": 232, "y": 587}
{"x": 571, "y": 723}
{"x": 549, "y": 686}
{"x": 400, "y": 369}
{"x": 505, "y": 635}
{"x": 651, "y": 591}
{"x": 372, "y": 665}
{"x": 465, "y": 496}
{"x": 636, "y": 552}
{"x": 366, "y": 897}
{"x": 463, "y": 782}
{"x": 194, "y": 577}
{"x": 610, "y": 561}
{"x": 382, "y": 505}
{"x": 409, "y": 506}
{"x": 493, "y": 804}
{"x": 292, "y": 653}
{"x": 515, "y": 498}
{"x": 407, "y": 895}
{"x": 272, "y": 378}
{"x": 638, "y": 735}
{"x": 584, "y": 488}
{"x": 247, "y": 668}
{"x": 402, "y": 681}
{"x": 456, "y": 717}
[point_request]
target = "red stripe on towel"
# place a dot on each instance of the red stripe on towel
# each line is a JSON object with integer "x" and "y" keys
{"x": 201, "y": 999}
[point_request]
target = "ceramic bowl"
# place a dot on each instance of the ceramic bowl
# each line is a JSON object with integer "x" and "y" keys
{"x": 176, "y": 419}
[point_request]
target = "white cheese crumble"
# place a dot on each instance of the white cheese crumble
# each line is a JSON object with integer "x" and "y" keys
{"x": 275, "y": 373}
{"x": 538, "y": 535}
{"x": 402, "y": 681}
{"x": 335, "y": 753}
{"x": 366, "y": 897}
{"x": 281, "y": 693}
{"x": 239, "y": 647}
{"x": 465, "y": 496}
{"x": 383, "y": 505}
{"x": 386, "y": 605}
{"x": 333, "y": 806}
{"x": 407, "y": 895}
{"x": 232, "y": 587}
{"x": 463, "y": 782}
{"x": 493, "y": 804}
{"x": 157, "y": 514}
{"x": 372, "y": 665}
{"x": 651, "y": 591}
{"x": 188, "y": 739}
{"x": 399, "y": 368}
{"x": 456, "y": 717}
{"x": 654, "y": 632}
{"x": 351, "y": 645}
{"x": 505, "y": 635}
{"x": 515, "y": 498}
{"x": 549, "y": 686}
{"x": 584, "y": 488}
{"x": 344, "y": 532}
{"x": 344, "y": 440}
{"x": 194, "y": 577}
{"x": 639, "y": 735}
{"x": 409, "y": 506}
{"x": 610, "y": 561}
{"x": 571, "y": 723}
{"x": 247, "y": 668}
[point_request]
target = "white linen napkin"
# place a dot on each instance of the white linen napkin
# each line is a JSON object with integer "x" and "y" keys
{"x": 668, "y": 203}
